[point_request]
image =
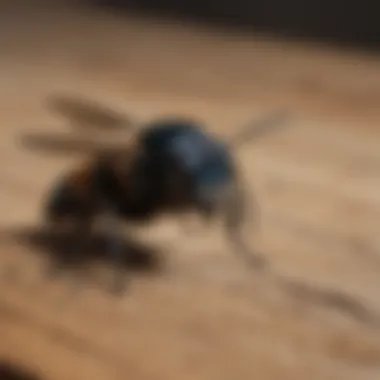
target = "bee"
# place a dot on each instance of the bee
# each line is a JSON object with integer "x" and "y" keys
{"x": 170, "y": 165}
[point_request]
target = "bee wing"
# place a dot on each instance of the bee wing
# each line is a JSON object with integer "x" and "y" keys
{"x": 260, "y": 127}
{"x": 86, "y": 115}
{"x": 68, "y": 144}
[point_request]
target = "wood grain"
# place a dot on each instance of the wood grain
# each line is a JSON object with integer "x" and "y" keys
{"x": 205, "y": 316}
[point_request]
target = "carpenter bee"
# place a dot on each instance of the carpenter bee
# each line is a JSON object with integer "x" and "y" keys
{"x": 168, "y": 166}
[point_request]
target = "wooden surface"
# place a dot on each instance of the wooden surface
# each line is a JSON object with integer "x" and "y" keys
{"x": 315, "y": 316}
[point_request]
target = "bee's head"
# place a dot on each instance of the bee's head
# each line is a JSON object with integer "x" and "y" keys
{"x": 198, "y": 163}
{"x": 206, "y": 162}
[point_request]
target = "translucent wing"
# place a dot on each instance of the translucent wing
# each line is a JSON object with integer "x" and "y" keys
{"x": 68, "y": 144}
{"x": 87, "y": 117}
{"x": 84, "y": 115}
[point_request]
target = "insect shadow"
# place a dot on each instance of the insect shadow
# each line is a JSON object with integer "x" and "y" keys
{"x": 329, "y": 298}
{"x": 11, "y": 371}
{"x": 55, "y": 248}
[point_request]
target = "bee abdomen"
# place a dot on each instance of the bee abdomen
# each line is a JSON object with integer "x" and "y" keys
{"x": 61, "y": 201}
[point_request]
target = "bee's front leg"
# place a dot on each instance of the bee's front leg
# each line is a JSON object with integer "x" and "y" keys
{"x": 62, "y": 247}
{"x": 71, "y": 240}
{"x": 236, "y": 207}
{"x": 79, "y": 253}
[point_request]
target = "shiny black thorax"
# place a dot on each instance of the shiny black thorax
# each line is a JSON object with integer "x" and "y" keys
{"x": 178, "y": 168}
{"x": 159, "y": 182}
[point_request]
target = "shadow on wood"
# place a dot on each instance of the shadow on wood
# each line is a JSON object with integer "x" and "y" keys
{"x": 137, "y": 256}
{"x": 11, "y": 371}
{"x": 333, "y": 299}
{"x": 62, "y": 258}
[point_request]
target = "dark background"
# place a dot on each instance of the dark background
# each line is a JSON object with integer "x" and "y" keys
{"x": 335, "y": 21}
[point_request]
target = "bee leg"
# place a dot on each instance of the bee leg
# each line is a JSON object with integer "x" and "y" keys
{"x": 70, "y": 240}
{"x": 115, "y": 251}
{"x": 236, "y": 208}
{"x": 55, "y": 269}
{"x": 80, "y": 251}
{"x": 59, "y": 262}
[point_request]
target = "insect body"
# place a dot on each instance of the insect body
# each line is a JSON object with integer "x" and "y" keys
{"x": 171, "y": 166}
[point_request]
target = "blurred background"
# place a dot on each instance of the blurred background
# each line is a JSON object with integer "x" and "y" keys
{"x": 337, "y": 21}
{"x": 201, "y": 314}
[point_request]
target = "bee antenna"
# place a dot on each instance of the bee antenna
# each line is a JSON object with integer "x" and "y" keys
{"x": 258, "y": 128}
